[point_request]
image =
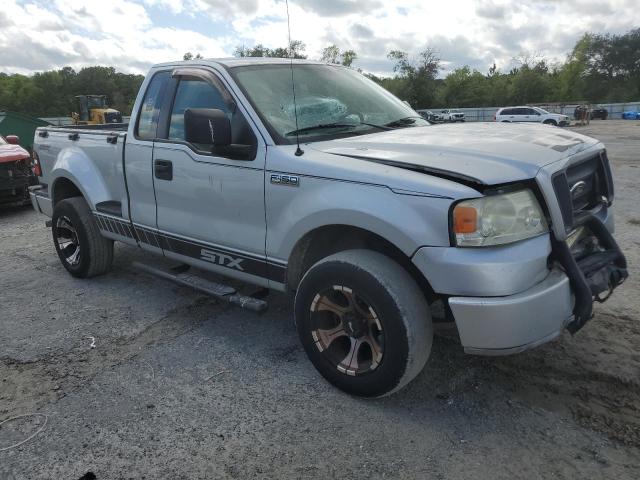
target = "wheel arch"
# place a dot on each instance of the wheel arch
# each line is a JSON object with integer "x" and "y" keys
{"x": 63, "y": 188}
{"x": 75, "y": 174}
{"x": 330, "y": 239}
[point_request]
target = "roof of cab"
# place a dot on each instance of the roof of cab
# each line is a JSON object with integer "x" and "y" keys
{"x": 238, "y": 62}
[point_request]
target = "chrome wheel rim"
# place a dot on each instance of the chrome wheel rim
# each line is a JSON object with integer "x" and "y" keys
{"x": 347, "y": 331}
{"x": 67, "y": 240}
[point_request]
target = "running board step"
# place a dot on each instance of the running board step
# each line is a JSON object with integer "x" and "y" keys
{"x": 217, "y": 290}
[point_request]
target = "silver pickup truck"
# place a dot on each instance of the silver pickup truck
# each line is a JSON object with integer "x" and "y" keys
{"x": 378, "y": 223}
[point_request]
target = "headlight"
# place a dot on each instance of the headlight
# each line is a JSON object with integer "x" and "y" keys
{"x": 498, "y": 219}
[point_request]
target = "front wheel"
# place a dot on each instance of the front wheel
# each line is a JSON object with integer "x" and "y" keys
{"x": 551, "y": 122}
{"x": 83, "y": 251}
{"x": 363, "y": 322}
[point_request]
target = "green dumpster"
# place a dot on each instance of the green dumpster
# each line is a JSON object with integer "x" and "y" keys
{"x": 24, "y": 126}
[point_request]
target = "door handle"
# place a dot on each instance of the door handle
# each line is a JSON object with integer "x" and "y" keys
{"x": 163, "y": 169}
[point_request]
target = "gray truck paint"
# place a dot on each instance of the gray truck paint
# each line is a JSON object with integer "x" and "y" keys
{"x": 398, "y": 184}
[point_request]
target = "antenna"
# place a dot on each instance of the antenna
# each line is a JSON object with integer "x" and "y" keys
{"x": 299, "y": 151}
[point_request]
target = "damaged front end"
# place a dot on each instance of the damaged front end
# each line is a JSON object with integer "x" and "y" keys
{"x": 595, "y": 265}
{"x": 590, "y": 256}
{"x": 15, "y": 178}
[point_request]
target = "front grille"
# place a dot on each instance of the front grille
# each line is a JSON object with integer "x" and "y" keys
{"x": 582, "y": 187}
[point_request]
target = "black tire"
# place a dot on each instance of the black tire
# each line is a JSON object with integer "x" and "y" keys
{"x": 73, "y": 221}
{"x": 551, "y": 122}
{"x": 402, "y": 322}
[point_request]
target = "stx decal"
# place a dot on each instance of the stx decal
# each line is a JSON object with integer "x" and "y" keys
{"x": 221, "y": 259}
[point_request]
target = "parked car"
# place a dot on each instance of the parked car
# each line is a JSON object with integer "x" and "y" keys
{"x": 15, "y": 172}
{"x": 430, "y": 116}
{"x": 354, "y": 204}
{"x": 452, "y": 116}
{"x": 631, "y": 115}
{"x": 530, "y": 114}
{"x": 596, "y": 112}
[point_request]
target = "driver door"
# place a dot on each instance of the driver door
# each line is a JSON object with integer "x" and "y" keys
{"x": 210, "y": 208}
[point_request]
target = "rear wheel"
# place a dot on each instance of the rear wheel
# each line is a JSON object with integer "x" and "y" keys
{"x": 83, "y": 251}
{"x": 363, "y": 322}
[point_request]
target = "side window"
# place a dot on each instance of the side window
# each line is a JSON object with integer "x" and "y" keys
{"x": 193, "y": 93}
{"x": 150, "y": 109}
{"x": 197, "y": 93}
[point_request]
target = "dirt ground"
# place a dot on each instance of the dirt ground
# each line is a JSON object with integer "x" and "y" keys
{"x": 179, "y": 386}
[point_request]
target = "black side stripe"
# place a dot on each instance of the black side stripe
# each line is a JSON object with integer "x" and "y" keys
{"x": 243, "y": 262}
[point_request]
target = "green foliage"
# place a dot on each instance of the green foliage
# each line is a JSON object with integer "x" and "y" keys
{"x": 189, "y": 56}
{"x": 416, "y": 78}
{"x": 296, "y": 50}
{"x": 332, "y": 54}
{"x": 51, "y": 94}
{"x": 348, "y": 57}
{"x": 599, "y": 69}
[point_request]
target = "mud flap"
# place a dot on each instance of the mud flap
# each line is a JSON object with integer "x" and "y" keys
{"x": 594, "y": 275}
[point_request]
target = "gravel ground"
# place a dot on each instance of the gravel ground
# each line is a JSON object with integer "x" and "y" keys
{"x": 180, "y": 386}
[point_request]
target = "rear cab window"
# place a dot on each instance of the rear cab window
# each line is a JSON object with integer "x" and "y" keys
{"x": 148, "y": 116}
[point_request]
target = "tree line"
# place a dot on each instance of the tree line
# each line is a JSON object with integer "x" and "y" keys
{"x": 601, "y": 68}
{"x": 51, "y": 93}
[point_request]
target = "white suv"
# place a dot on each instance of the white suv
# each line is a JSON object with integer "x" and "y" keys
{"x": 530, "y": 114}
{"x": 452, "y": 115}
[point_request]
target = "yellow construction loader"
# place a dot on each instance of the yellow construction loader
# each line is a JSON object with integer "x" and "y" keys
{"x": 93, "y": 110}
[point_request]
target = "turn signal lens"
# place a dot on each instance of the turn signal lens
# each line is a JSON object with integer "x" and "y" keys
{"x": 465, "y": 219}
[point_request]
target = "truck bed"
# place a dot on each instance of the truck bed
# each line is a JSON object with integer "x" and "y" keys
{"x": 116, "y": 127}
{"x": 98, "y": 148}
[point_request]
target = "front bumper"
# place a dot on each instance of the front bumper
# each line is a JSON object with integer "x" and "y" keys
{"x": 511, "y": 324}
{"x": 505, "y": 299}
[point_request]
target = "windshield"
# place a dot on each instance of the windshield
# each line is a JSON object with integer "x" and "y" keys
{"x": 332, "y": 101}
{"x": 540, "y": 110}
{"x": 2, "y": 140}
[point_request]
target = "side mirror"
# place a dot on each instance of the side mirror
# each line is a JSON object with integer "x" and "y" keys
{"x": 208, "y": 126}
{"x": 13, "y": 139}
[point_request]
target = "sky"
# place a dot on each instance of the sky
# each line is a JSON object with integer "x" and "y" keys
{"x": 131, "y": 35}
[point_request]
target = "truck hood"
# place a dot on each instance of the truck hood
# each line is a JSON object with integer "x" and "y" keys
{"x": 481, "y": 153}
{"x": 12, "y": 153}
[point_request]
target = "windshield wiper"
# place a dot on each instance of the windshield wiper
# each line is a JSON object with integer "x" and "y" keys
{"x": 404, "y": 121}
{"x": 323, "y": 126}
